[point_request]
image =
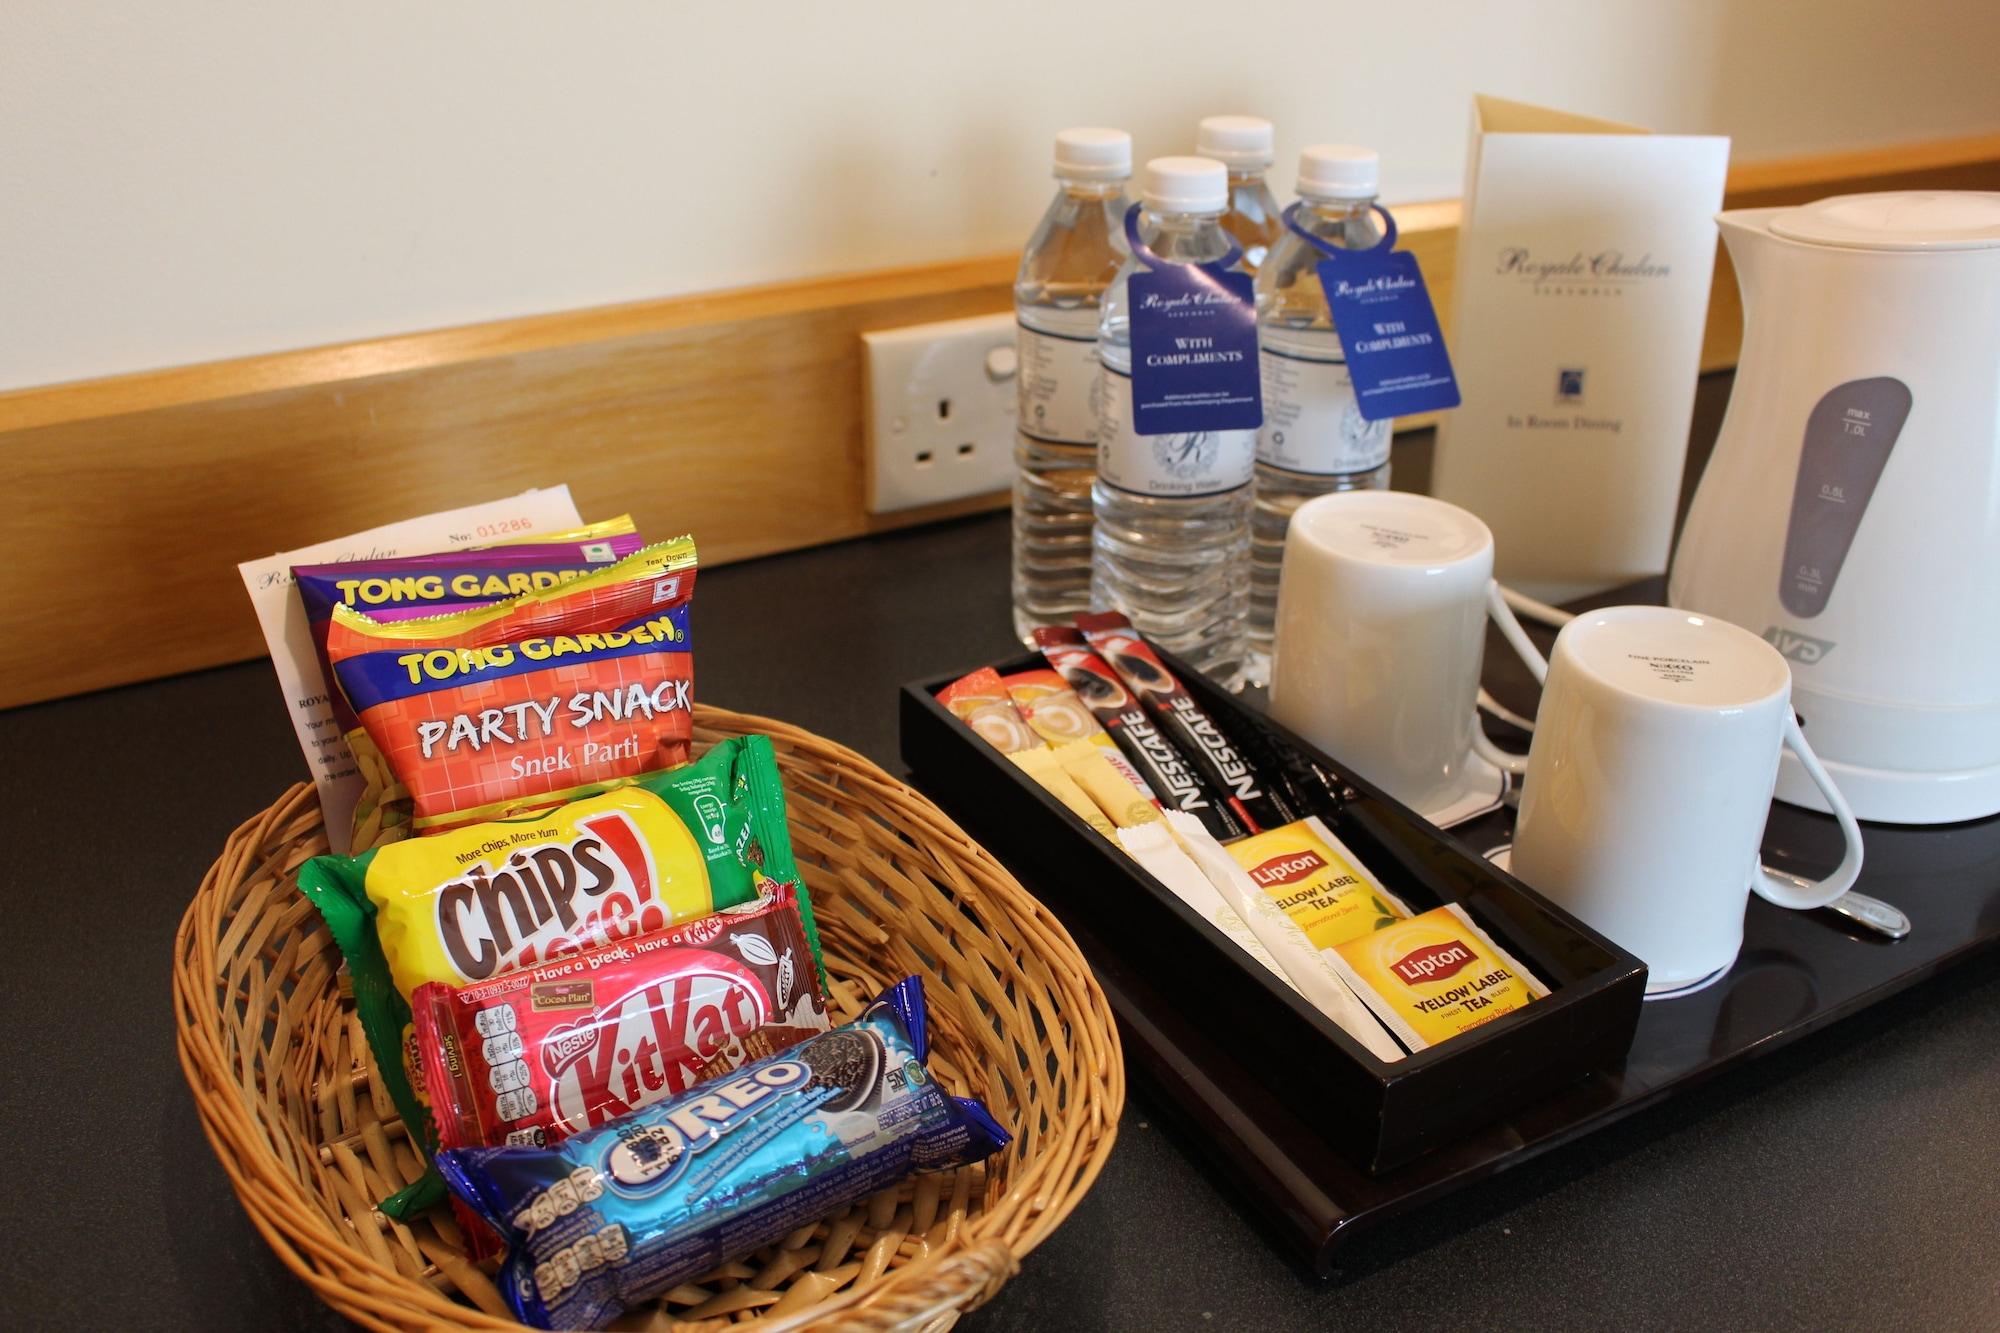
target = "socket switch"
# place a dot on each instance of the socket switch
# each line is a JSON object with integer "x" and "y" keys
{"x": 941, "y": 409}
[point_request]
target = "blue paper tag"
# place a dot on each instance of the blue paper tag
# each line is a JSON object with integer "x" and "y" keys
{"x": 1194, "y": 348}
{"x": 1395, "y": 351}
{"x": 1387, "y": 326}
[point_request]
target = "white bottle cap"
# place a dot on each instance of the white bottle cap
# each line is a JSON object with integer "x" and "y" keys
{"x": 1185, "y": 185}
{"x": 1094, "y": 154}
{"x": 1235, "y": 141}
{"x": 1339, "y": 171}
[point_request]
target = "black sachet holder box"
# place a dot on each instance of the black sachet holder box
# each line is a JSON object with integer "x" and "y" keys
{"x": 1185, "y": 994}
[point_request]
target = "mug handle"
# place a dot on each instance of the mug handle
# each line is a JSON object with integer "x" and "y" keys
{"x": 1801, "y": 895}
{"x": 1524, "y": 647}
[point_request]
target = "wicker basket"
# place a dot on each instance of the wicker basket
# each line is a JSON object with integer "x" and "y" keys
{"x": 290, "y": 1101}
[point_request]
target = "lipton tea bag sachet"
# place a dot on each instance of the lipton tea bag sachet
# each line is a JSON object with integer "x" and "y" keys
{"x": 470, "y": 904}
{"x": 1321, "y": 885}
{"x": 1434, "y": 976}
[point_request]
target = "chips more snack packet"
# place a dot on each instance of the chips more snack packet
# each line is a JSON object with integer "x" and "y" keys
{"x": 415, "y": 586}
{"x": 467, "y": 905}
{"x": 487, "y": 713}
{"x": 534, "y": 1056}
{"x": 619, "y": 1214}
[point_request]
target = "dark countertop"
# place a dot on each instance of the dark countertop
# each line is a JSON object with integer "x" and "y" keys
{"x": 1845, "y": 1181}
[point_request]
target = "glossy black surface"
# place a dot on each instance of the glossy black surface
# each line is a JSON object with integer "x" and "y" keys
{"x": 1846, "y": 1181}
{"x": 1261, "y": 1119}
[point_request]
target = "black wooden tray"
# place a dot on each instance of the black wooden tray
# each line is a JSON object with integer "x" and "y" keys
{"x": 1381, "y": 1114}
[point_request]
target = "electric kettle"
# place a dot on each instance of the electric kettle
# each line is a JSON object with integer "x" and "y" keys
{"x": 1851, "y": 511}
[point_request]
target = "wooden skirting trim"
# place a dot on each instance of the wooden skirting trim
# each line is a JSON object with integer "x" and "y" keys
{"x": 736, "y": 415}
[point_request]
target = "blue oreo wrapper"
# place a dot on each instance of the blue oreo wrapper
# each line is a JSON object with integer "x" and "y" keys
{"x": 620, "y": 1214}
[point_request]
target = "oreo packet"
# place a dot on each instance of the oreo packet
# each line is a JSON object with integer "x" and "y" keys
{"x": 621, "y": 1214}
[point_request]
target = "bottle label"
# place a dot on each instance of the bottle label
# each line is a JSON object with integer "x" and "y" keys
{"x": 1176, "y": 465}
{"x": 1057, "y": 379}
{"x": 1389, "y": 330}
{"x": 1312, "y": 423}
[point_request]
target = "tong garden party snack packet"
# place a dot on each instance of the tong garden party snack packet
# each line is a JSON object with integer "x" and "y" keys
{"x": 490, "y": 712}
{"x": 473, "y": 903}
{"x": 416, "y": 586}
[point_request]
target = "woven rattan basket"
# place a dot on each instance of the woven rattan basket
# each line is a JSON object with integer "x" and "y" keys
{"x": 289, "y": 1098}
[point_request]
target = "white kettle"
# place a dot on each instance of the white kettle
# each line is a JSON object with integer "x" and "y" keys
{"x": 1851, "y": 511}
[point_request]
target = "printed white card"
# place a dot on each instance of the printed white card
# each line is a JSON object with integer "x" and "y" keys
{"x": 1579, "y": 301}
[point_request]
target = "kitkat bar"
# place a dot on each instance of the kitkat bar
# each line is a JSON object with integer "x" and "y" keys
{"x": 1256, "y": 802}
{"x": 536, "y": 1055}
{"x": 1175, "y": 784}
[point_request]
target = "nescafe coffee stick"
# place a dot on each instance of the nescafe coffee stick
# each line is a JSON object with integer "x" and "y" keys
{"x": 1258, "y": 804}
{"x": 1175, "y": 783}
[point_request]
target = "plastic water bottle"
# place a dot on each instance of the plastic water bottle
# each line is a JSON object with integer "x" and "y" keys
{"x": 1071, "y": 260}
{"x": 1178, "y": 564}
{"x": 1314, "y": 438}
{"x": 1243, "y": 144}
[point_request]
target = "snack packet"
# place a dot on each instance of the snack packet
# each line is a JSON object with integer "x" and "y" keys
{"x": 416, "y": 586}
{"x": 534, "y": 1056}
{"x": 619, "y": 1214}
{"x": 1434, "y": 976}
{"x": 1173, "y": 783}
{"x": 491, "y": 712}
{"x": 467, "y": 905}
{"x": 1257, "y": 803}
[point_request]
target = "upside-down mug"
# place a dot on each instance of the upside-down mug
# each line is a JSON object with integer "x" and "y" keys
{"x": 1381, "y": 630}
{"x": 1649, "y": 780}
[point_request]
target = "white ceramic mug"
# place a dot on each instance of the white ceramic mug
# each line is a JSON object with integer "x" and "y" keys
{"x": 1650, "y": 777}
{"x": 1381, "y": 630}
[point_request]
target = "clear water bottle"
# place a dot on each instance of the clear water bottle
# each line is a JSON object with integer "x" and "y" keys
{"x": 1071, "y": 260}
{"x": 1314, "y": 438}
{"x": 1243, "y": 144}
{"x": 1172, "y": 539}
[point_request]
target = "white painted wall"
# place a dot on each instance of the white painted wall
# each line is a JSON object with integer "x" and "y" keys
{"x": 184, "y": 182}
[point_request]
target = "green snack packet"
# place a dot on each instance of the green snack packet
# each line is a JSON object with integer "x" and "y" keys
{"x": 471, "y": 903}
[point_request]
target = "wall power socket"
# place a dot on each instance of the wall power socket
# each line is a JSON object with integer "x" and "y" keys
{"x": 941, "y": 409}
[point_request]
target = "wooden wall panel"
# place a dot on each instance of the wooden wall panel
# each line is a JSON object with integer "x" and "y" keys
{"x": 735, "y": 415}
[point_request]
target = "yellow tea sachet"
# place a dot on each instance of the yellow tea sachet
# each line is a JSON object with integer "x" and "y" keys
{"x": 1434, "y": 976}
{"x": 1041, "y": 765}
{"x": 1126, "y": 806}
{"x": 1321, "y": 884}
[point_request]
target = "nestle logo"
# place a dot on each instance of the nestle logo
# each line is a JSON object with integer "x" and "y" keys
{"x": 1288, "y": 869}
{"x": 1800, "y": 648}
{"x": 1433, "y": 962}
